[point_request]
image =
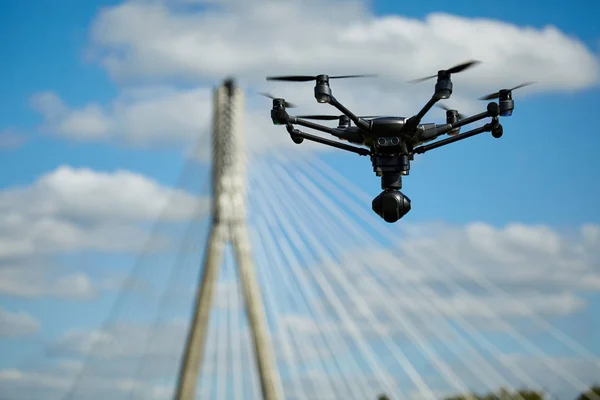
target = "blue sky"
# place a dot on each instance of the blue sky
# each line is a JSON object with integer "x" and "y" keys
{"x": 541, "y": 173}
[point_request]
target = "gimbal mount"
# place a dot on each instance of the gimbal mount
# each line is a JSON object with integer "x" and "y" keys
{"x": 392, "y": 141}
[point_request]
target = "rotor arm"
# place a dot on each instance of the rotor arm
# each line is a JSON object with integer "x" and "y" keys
{"x": 280, "y": 116}
{"x": 493, "y": 110}
{"x": 434, "y": 99}
{"x": 311, "y": 125}
{"x": 296, "y": 133}
{"x": 359, "y": 122}
{"x": 349, "y": 134}
{"x": 413, "y": 122}
{"x": 443, "y": 90}
{"x": 489, "y": 127}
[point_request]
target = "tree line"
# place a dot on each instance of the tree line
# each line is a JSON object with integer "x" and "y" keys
{"x": 593, "y": 393}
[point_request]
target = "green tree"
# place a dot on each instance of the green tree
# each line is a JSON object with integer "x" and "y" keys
{"x": 529, "y": 395}
{"x": 470, "y": 396}
{"x": 503, "y": 394}
{"x": 490, "y": 396}
{"x": 593, "y": 393}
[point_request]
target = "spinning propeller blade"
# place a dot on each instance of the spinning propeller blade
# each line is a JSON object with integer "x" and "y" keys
{"x": 330, "y": 117}
{"x": 443, "y": 107}
{"x": 456, "y": 69}
{"x": 495, "y": 95}
{"x": 307, "y": 78}
{"x": 286, "y": 104}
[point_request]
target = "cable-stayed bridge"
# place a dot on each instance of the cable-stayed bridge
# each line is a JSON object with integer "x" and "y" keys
{"x": 313, "y": 297}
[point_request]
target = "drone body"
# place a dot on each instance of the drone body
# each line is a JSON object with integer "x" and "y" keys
{"x": 391, "y": 142}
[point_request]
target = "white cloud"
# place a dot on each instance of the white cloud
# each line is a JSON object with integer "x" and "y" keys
{"x": 253, "y": 38}
{"x": 421, "y": 288}
{"x": 477, "y": 272}
{"x": 20, "y": 377}
{"x": 586, "y": 370}
{"x": 20, "y": 384}
{"x": 516, "y": 256}
{"x": 123, "y": 341}
{"x": 147, "y": 117}
{"x": 163, "y": 41}
{"x": 136, "y": 117}
{"x": 410, "y": 292}
{"x": 35, "y": 278}
{"x": 503, "y": 268}
{"x": 539, "y": 371}
{"x": 70, "y": 210}
{"x": 475, "y": 277}
{"x": 11, "y": 139}
{"x": 89, "y": 122}
{"x": 15, "y": 324}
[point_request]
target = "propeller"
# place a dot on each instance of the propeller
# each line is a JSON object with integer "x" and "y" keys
{"x": 495, "y": 95}
{"x": 443, "y": 107}
{"x": 307, "y": 78}
{"x": 330, "y": 117}
{"x": 453, "y": 70}
{"x": 286, "y": 104}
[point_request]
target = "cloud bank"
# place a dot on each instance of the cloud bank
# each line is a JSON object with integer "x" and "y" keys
{"x": 70, "y": 210}
{"x": 157, "y": 49}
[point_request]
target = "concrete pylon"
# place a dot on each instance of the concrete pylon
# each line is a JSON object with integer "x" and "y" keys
{"x": 229, "y": 225}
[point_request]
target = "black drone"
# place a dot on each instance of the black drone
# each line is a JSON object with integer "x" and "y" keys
{"x": 392, "y": 141}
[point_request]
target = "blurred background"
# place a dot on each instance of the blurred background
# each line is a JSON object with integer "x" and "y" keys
{"x": 492, "y": 280}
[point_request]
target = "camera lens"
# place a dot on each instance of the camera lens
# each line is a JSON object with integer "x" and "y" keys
{"x": 381, "y": 141}
{"x": 395, "y": 141}
{"x": 391, "y": 205}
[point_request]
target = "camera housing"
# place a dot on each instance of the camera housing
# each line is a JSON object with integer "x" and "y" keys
{"x": 391, "y": 205}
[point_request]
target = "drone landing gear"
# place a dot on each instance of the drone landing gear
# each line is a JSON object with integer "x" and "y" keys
{"x": 391, "y": 204}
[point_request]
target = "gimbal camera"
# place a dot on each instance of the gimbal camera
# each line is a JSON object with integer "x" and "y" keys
{"x": 391, "y": 142}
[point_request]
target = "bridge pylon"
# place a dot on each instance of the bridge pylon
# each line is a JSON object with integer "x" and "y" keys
{"x": 228, "y": 225}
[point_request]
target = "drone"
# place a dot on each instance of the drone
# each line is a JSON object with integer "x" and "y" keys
{"x": 391, "y": 142}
